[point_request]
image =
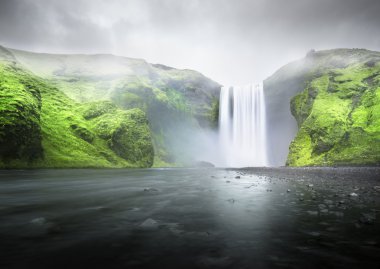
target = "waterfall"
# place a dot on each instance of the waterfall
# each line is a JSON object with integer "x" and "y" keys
{"x": 242, "y": 126}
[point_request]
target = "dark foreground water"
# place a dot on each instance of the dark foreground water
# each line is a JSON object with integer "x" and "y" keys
{"x": 190, "y": 218}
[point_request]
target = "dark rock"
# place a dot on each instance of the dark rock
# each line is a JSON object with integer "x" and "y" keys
{"x": 371, "y": 63}
{"x": 367, "y": 218}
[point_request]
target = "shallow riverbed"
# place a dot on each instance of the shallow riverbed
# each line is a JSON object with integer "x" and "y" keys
{"x": 190, "y": 218}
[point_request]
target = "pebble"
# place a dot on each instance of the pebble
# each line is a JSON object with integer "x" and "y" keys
{"x": 237, "y": 177}
{"x": 288, "y": 190}
{"x": 324, "y": 211}
{"x": 367, "y": 218}
{"x": 312, "y": 213}
{"x": 376, "y": 188}
{"x": 149, "y": 223}
{"x": 38, "y": 221}
{"x": 315, "y": 233}
{"x": 150, "y": 189}
{"x": 332, "y": 229}
{"x": 338, "y": 214}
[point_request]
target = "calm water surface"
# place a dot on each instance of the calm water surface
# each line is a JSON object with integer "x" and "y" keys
{"x": 190, "y": 218}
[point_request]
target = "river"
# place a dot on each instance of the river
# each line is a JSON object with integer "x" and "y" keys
{"x": 190, "y": 218}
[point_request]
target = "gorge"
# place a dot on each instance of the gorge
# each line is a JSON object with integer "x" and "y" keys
{"x": 189, "y": 134}
{"x": 109, "y": 111}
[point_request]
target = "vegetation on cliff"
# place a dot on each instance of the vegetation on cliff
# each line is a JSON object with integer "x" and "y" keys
{"x": 41, "y": 127}
{"x": 338, "y": 111}
{"x": 95, "y": 110}
{"x": 20, "y": 112}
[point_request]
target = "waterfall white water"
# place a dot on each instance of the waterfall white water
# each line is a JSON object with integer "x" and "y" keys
{"x": 242, "y": 128}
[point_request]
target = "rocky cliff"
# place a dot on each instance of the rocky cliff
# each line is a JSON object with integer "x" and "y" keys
{"x": 334, "y": 98}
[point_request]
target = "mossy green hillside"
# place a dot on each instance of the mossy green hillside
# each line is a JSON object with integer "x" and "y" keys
{"x": 169, "y": 97}
{"x": 296, "y": 79}
{"x": 126, "y": 131}
{"x": 338, "y": 114}
{"x": 42, "y": 127}
{"x": 20, "y": 111}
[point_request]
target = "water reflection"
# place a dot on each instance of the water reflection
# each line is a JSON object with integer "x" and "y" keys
{"x": 183, "y": 218}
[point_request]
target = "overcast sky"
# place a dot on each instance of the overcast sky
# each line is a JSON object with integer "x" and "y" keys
{"x": 234, "y": 42}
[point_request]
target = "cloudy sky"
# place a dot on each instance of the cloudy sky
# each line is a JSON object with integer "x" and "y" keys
{"x": 234, "y": 42}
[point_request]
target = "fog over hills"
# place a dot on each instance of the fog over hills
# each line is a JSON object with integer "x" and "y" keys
{"x": 232, "y": 42}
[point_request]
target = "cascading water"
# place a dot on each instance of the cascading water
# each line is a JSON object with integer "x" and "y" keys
{"x": 243, "y": 126}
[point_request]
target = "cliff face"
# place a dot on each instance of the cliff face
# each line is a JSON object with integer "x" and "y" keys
{"x": 338, "y": 114}
{"x": 96, "y": 110}
{"x": 334, "y": 98}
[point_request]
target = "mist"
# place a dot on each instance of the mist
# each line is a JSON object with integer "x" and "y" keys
{"x": 232, "y": 42}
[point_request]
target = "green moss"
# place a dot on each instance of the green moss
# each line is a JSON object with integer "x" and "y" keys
{"x": 340, "y": 122}
{"x": 41, "y": 127}
{"x": 214, "y": 113}
{"x": 127, "y": 134}
{"x": 169, "y": 97}
{"x": 20, "y": 107}
{"x": 96, "y": 109}
{"x": 300, "y": 151}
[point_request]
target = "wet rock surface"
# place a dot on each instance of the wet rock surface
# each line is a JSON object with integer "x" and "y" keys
{"x": 190, "y": 218}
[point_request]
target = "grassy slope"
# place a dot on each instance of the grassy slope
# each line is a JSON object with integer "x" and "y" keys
{"x": 171, "y": 98}
{"x": 20, "y": 111}
{"x": 338, "y": 112}
{"x": 45, "y": 128}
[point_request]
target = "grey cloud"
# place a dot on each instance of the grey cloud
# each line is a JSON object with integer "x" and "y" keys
{"x": 230, "y": 41}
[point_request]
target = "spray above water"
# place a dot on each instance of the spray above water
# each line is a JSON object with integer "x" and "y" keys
{"x": 242, "y": 128}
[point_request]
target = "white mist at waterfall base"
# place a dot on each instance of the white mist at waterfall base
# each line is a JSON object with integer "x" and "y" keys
{"x": 242, "y": 126}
